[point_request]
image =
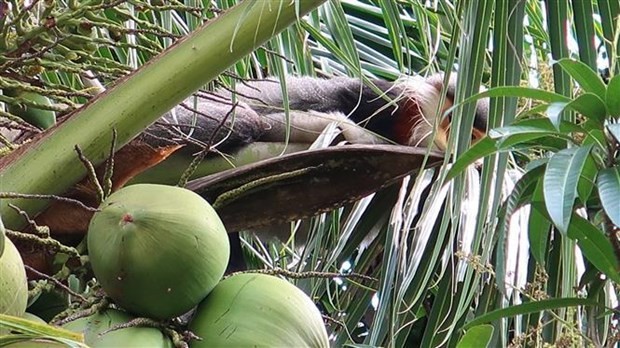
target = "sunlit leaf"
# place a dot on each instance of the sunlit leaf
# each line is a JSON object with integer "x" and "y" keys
{"x": 595, "y": 246}
{"x": 609, "y": 192}
{"x": 588, "y": 79}
{"x": 560, "y": 183}
{"x": 477, "y": 337}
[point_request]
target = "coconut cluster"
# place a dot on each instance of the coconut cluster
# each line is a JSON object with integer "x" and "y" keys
{"x": 160, "y": 251}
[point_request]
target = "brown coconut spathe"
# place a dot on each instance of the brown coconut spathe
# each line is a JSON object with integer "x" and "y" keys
{"x": 157, "y": 250}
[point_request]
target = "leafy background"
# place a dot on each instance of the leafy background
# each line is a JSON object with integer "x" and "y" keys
{"x": 520, "y": 249}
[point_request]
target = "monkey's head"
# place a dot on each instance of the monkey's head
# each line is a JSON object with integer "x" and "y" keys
{"x": 421, "y": 110}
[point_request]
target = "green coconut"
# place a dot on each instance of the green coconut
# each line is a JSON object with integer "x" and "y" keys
{"x": 93, "y": 326}
{"x": 13, "y": 281}
{"x": 41, "y": 118}
{"x": 157, "y": 250}
{"x": 257, "y": 310}
{"x": 33, "y": 317}
{"x": 2, "y": 238}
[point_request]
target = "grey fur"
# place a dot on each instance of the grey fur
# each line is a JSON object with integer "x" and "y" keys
{"x": 259, "y": 113}
{"x": 256, "y": 112}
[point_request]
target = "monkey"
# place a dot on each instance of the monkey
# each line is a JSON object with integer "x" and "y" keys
{"x": 403, "y": 112}
{"x": 410, "y": 111}
{"x": 374, "y": 111}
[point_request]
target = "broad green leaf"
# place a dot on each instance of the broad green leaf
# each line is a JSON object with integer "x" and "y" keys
{"x": 560, "y": 183}
{"x": 612, "y": 99}
{"x": 595, "y": 135}
{"x": 536, "y": 125}
{"x": 529, "y": 140}
{"x": 488, "y": 146}
{"x": 549, "y": 143}
{"x": 523, "y": 190}
{"x": 521, "y": 193}
{"x": 530, "y": 307}
{"x": 534, "y": 111}
{"x": 609, "y": 192}
{"x": 587, "y": 179}
{"x": 588, "y": 79}
{"x": 538, "y": 226}
{"x": 596, "y": 247}
{"x": 591, "y": 106}
{"x": 588, "y": 104}
{"x": 477, "y": 337}
{"x": 516, "y": 129}
{"x": 614, "y": 129}
{"x": 507, "y": 138}
{"x": 482, "y": 148}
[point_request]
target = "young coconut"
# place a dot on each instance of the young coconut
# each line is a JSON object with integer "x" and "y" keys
{"x": 13, "y": 281}
{"x": 258, "y": 310}
{"x": 157, "y": 250}
{"x": 95, "y": 325}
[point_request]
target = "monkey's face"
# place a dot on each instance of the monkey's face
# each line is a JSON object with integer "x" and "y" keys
{"x": 443, "y": 129}
{"x": 424, "y": 117}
